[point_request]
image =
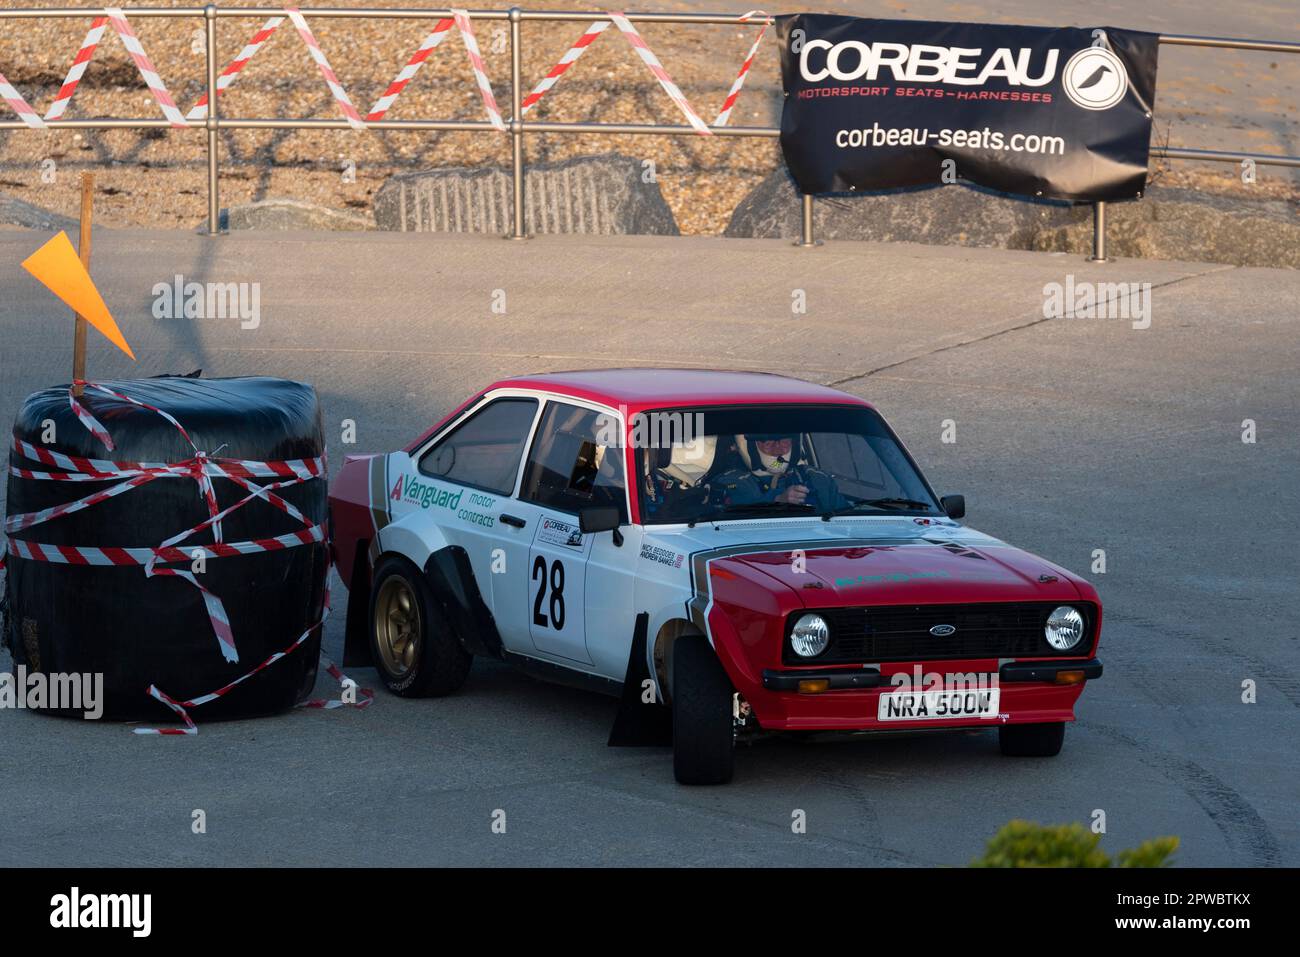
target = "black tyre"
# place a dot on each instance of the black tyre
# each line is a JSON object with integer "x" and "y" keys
{"x": 1032, "y": 740}
{"x": 414, "y": 650}
{"x": 23, "y": 648}
{"x": 704, "y": 736}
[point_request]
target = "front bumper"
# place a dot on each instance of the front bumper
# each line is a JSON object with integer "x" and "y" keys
{"x": 1030, "y": 694}
{"x": 840, "y": 678}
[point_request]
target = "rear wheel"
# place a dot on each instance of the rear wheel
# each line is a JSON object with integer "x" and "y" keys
{"x": 415, "y": 652}
{"x": 1032, "y": 740}
{"x": 704, "y": 733}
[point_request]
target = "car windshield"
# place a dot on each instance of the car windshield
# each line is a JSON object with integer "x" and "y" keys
{"x": 721, "y": 463}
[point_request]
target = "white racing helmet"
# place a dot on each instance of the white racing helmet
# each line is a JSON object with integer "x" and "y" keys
{"x": 757, "y": 460}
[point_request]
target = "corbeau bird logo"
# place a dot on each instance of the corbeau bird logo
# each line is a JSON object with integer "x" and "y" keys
{"x": 1095, "y": 79}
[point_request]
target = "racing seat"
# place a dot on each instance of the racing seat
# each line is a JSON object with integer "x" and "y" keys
{"x": 677, "y": 474}
{"x": 689, "y": 463}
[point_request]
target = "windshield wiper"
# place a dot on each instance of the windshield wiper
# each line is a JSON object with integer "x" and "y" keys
{"x": 764, "y": 506}
{"x": 897, "y": 503}
{"x": 738, "y": 507}
{"x": 909, "y": 504}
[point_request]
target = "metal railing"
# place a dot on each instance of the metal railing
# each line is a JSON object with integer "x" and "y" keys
{"x": 517, "y": 128}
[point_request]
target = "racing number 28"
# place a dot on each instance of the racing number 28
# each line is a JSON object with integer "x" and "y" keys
{"x": 557, "y": 593}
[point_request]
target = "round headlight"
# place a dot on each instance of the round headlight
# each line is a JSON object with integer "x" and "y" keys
{"x": 810, "y": 636}
{"x": 1064, "y": 628}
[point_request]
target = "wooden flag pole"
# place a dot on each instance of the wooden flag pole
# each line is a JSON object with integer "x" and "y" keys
{"x": 83, "y": 248}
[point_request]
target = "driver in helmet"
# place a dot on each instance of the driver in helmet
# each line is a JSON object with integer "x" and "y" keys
{"x": 776, "y": 473}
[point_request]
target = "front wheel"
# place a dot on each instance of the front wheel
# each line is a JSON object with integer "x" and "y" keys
{"x": 1032, "y": 740}
{"x": 414, "y": 650}
{"x": 704, "y": 732}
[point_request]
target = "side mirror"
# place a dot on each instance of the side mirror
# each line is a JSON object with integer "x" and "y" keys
{"x": 599, "y": 518}
{"x": 954, "y": 505}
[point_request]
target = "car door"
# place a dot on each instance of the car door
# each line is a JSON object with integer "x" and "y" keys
{"x": 467, "y": 480}
{"x": 611, "y": 599}
{"x": 557, "y": 573}
{"x": 571, "y": 465}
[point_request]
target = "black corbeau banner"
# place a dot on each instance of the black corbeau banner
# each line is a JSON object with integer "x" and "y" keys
{"x": 874, "y": 104}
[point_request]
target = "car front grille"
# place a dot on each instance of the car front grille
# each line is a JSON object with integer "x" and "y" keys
{"x": 902, "y": 632}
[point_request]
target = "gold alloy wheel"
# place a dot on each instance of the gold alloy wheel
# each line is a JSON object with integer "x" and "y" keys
{"x": 397, "y": 626}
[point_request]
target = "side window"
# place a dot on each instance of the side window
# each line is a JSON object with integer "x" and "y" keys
{"x": 484, "y": 450}
{"x": 568, "y": 466}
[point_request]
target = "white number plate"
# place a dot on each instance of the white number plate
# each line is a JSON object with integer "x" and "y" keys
{"x": 938, "y": 704}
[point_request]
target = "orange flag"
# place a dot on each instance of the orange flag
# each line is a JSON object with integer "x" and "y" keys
{"x": 58, "y": 267}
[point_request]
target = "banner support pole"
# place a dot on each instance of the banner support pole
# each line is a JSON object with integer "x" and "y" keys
{"x": 807, "y": 239}
{"x": 214, "y": 146}
{"x": 518, "y": 226}
{"x": 1098, "y": 233}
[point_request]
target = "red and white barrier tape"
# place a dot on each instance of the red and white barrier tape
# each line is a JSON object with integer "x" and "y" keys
{"x": 122, "y": 27}
{"x": 570, "y": 57}
{"x": 200, "y": 110}
{"x": 340, "y": 95}
{"x": 430, "y": 43}
{"x": 734, "y": 93}
{"x": 460, "y": 19}
{"x": 95, "y": 470}
{"x": 466, "y": 29}
{"x": 364, "y": 695}
{"x": 201, "y": 476}
{"x": 10, "y": 95}
{"x": 142, "y": 63}
{"x": 652, "y": 63}
{"x": 108, "y": 555}
{"x": 638, "y": 43}
{"x": 101, "y": 433}
{"x": 78, "y": 68}
{"x": 233, "y": 68}
{"x": 201, "y": 468}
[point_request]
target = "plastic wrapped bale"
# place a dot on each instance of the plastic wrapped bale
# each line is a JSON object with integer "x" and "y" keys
{"x": 80, "y": 599}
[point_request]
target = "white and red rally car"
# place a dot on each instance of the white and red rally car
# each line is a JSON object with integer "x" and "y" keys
{"x": 777, "y": 562}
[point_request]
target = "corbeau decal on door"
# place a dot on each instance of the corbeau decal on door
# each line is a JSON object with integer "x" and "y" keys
{"x": 555, "y": 532}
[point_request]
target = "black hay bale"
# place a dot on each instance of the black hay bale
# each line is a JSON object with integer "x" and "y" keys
{"x": 138, "y": 630}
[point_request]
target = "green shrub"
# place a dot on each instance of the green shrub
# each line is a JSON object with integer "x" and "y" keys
{"x": 1153, "y": 853}
{"x": 1026, "y": 844}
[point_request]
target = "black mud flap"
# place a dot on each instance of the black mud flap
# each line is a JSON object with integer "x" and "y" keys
{"x": 451, "y": 576}
{"x": 640, "y": 724}
{"x": 356, "y": 632}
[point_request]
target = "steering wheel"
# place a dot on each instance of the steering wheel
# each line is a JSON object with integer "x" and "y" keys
{"x": 799, "y": 476}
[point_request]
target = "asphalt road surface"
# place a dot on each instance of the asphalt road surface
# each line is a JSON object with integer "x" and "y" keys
{"x": 1071, "y": 435}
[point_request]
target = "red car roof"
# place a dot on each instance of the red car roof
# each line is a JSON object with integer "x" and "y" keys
{"x": 666, "y": 388}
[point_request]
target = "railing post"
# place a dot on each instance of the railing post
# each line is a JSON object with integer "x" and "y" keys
{"x": 518, "y": 226}
{"x": 1098, "y": 233}
{"x": 210, "y": 32}
{"x": 807, "y": 239}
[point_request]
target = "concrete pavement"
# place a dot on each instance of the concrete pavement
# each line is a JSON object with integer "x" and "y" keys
{"x": 1071, "y": 435}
